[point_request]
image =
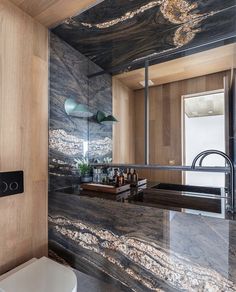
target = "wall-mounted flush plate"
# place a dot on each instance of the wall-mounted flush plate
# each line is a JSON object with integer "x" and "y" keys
{"x": 11, "y": 183}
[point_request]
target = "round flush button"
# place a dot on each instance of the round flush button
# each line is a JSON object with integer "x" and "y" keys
{"x": 3, "y": 187}
{"x": 13, "y": 186}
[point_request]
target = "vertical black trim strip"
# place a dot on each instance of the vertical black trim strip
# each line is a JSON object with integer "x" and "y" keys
{"x": 146, "y": 114}
{"x": 227, "y": 115}
{"x": 233, "y": 122}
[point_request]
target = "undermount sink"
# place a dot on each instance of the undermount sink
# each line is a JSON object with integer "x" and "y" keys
{"x": 189, "y": 189}
{"x": 204, "y": 199}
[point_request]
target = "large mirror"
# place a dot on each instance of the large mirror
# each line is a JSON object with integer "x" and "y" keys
{"x": 179, "y": 56}
{"x": 188, "y": 112}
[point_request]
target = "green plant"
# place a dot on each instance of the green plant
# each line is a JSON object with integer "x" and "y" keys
{"x": 83, "y": 166}
{"x": 106, "y": 159}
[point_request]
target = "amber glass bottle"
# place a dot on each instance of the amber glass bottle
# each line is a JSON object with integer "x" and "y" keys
{"x": 129, "y": 175}
{"x": 121, "y": 179}
{"x": 135, "y": 177}
{"x": 116, "y": 176}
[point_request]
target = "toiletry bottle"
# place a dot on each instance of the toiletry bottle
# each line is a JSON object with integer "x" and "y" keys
{"x": 116, "y": 177}
{"x": 121, "y": 179}
{"x": 135, "y": 177}
{"x": 129, "y": 175}
{"x": 132, "y": 175}
{"x": 125, "y": 175}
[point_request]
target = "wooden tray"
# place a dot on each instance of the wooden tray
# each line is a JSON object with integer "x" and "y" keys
{"x": 105, "y": 188}
{"x": 140, "y": 182}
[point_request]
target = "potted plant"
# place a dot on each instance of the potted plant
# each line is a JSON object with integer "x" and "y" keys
{"x": 84, "y": 169}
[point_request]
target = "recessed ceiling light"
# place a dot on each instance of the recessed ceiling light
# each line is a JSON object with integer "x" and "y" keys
{"x": 150, "y": 83}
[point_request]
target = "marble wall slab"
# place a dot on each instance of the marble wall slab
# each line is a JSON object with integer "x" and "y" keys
{"x": 138, "y": 248}
{"x": 70, "y": 137}
{"x": 118, "y": 34}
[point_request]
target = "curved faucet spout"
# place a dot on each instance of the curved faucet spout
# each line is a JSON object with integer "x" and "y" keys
{"x": 204, "y": 154}
{"x": 202, "y": 158}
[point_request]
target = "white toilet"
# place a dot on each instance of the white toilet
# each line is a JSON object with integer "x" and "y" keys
{"x": 39, "y": 275}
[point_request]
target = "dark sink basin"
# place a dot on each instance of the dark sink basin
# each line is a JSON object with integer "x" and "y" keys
{"x": 207, "y": 199}
{"x": 188, "y": 188}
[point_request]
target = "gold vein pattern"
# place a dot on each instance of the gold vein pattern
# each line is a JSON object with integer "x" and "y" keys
{"x": 119, "y": 35}
{"x": 168, "y": 266}
{"x": 176, "y": 11}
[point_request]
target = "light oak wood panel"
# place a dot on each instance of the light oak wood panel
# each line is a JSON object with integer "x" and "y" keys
{"x": 52, "y": 12}
{"x": 165, "y": 123}
{"x": 23, "y": 134}
{"x": 200, "y": 64}
{"x": 123, "y": 131}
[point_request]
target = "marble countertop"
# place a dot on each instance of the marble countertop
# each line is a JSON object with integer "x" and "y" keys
{"x": 138, "y": 248}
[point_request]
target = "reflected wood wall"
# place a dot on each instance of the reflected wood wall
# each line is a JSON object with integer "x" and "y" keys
{"x": 52, "y": 12}
{"x": 165, "y": 123}
{"x": 123, "y": 131}
{"x": 23, "y": 135}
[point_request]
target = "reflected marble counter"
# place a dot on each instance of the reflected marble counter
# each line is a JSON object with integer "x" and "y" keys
{"x": 137, "y": 248}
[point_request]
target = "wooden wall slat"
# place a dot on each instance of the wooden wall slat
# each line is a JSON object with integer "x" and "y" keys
{"x": 123, "y": 131}
{"x": 23, "y": 134}
{"x": 52, "y": 12}
{"x": 165, "y": 123}
{"x": 200, "y": 64}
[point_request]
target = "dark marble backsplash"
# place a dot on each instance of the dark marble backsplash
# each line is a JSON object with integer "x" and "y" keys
{"x": 140, "y": 248}
{"x": 119, "y": 35}
{"x": 70, "y": 137}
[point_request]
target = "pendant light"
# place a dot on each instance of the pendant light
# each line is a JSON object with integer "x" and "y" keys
{"x": 105, "y": 120}
{"x": 75, "y": 109}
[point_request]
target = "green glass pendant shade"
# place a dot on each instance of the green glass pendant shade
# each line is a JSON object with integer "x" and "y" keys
{"x": 75, "y": 109}
{"x": 109, "y": 120}
{"x": 100, "y": 116}
{"x": 79, "y": 110}
{"x": 105, "y": 120}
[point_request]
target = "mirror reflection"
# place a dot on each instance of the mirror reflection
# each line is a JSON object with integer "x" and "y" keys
{"x": 188, "y": 113}
{"x": 150, "y": 77}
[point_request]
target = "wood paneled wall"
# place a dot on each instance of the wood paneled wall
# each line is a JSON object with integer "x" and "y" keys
{"x": 23, "y": 134}
{"x": 165, "y": 123}
{"x": 52, "y": 12}
{"x": 203, "y": 63}
{"x": 123, "y": 131}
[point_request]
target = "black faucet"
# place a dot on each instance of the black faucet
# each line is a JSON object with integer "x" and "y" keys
{"x": 203, "y": 155}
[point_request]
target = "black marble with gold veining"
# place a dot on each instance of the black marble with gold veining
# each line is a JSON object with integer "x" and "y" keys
{"x": 115, "y": 33}
{"x": 68, "y": 135}
{"x": 139, "y": 248}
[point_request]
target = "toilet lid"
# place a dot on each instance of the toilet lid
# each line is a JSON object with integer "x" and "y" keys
{"x": 43, "y": 275}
